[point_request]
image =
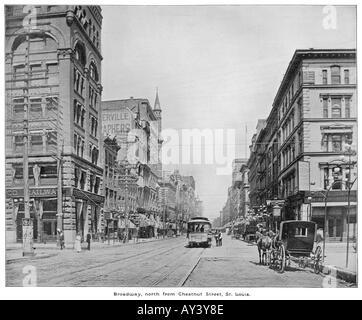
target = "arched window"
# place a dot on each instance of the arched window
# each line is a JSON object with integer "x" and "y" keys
{"x": 79, "y": 53}
{"x": 93, "y": 71}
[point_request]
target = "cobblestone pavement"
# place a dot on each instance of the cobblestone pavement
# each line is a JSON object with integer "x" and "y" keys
{"x": 166, "y": 263}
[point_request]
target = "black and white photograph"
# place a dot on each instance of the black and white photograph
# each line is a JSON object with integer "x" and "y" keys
{"x": 180, "y": 146}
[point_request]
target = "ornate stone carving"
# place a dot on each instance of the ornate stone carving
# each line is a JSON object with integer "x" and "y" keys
{"x": 66, "y": 53}
{"x": 36, "y": 172}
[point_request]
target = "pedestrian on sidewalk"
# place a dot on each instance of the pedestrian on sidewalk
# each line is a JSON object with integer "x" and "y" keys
{"x": 89, "y": 237}
{"x": 61, "y": 240}
{"x": 216, "y": 236}
{"x": 220, "y": 239}
{"x": 77, "y": 246}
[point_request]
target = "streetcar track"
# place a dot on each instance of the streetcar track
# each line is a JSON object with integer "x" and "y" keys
{"x": 188, "y": 274}
{"x": 101, "y": 265}
{"x": 141, "y": 255}
{"x": 171, "y": 270}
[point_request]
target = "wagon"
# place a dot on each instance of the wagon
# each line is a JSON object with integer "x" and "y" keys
{"x": 295, "y": 242}
{"x": 249, "y": 232}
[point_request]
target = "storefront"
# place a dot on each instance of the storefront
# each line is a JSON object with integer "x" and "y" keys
{"x": 88, "y": 214}
{"x": 43, "y": 211}
{"x": 336, "y": 220}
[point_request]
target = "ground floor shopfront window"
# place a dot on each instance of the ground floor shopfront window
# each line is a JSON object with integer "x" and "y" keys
{"x": 44, "y": 216}
{"x": 336, "y": 228}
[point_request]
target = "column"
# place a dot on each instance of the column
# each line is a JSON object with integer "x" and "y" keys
{"x": 344, "y": 225}
{"x": 326, "y": 227}
{"x": 334, "y": 227}
{"x": 329, "y": 141}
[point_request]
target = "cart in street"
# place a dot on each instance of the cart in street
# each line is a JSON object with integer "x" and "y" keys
{"x": 295, "y": 242}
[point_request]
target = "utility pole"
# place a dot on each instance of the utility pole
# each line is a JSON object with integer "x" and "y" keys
{"x": 27, "y": 221}
{"x": 164, "y": 222}
{"x": 126, "y": 206}
{"x": 59, "y": 192}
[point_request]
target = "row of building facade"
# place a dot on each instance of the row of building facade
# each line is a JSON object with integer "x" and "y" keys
{"x": 303, "y": 157}
{"x": 94, "y": 166}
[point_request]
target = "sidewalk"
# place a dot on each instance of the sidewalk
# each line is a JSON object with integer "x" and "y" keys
{"x": 14, "y": 250}
{"x": 335, "y": 261}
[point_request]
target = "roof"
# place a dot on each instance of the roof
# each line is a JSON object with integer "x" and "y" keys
{"x": 301, "y": 54}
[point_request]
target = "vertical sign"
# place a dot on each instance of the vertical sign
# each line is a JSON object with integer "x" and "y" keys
{"x": 28, "y": 235}
{"x": 303, "y": 176}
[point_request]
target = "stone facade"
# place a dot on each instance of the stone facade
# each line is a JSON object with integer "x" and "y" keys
{"x": 61, "y": 82}
{"x": 313, "y": 123}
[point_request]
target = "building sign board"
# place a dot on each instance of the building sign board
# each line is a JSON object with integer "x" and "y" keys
{"x": 33, "y": 193}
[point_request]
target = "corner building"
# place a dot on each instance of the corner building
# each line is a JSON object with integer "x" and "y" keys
{"x": 58, "y": 55}
{"x": 313, "y": 124}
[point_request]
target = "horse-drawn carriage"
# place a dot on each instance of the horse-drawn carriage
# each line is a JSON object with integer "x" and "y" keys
{"x": 249, "y": 232}
{"x": 295, "y": 242}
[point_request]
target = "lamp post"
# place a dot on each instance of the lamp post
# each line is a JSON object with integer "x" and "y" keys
{"x": 349, "y": 186}
{"x": 350, "y": 151}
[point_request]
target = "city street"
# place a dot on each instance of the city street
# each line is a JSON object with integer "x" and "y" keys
{"x": 162, "y": 263}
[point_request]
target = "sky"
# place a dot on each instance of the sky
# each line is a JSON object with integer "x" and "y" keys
{"x": 216, "y": 67}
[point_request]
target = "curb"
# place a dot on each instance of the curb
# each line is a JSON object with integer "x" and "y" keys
{"x": 9, "y": 261}
{"x": 49, "y": 255}
{"x": 339, "y": 273}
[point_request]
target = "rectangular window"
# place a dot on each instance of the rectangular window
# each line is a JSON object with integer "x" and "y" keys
{"x": 75, "y": 142}
{"x": 51, "y": 141}
{"x": 336, "y": 108}
{"x": 83, "y": 180}
{"x": 325, "y": 107}
{"x": 36, "y": 143}
{"x": 19, "y": 72}
{"x": 301, "y": 232}
{"x": 36, "y": 71}
{"x": 336, "y": 143}
{"x": 81, "y": 87}
{"x": 326, "y": 178}
{"x": 35, "y": 111}
{"x": 51, "y": 105}
{"x": 346, "y": 76}
{"x": 18, "y": 109}
{"x": 300, "y": 141}
{"x": 19, "y": 144}
{"x": 325, "y": 142}
{"x": 300, "y": 108}
{"x": 336, "y": 75}
{"x": 347, "y": 107}
{"x": 52, "y": 73}
{"x": 324, "y": 75}
{"x": 337, "y": 183}
{"x": 300, "y": 78}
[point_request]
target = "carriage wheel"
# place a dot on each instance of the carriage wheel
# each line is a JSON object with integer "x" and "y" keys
{"x": 281, "y": 259}
{"x": 317, "y": 260}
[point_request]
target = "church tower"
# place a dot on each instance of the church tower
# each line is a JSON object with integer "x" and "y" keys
{"x": 157, "y": 112}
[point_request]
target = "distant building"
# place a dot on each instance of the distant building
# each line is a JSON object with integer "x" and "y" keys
{"x": 136, "y": 127}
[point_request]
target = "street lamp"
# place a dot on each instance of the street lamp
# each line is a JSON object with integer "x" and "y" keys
{"x": 349, "y": 186}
